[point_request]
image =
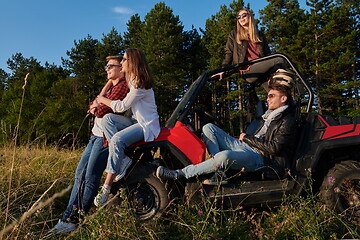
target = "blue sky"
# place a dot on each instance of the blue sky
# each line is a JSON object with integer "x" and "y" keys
{"x": 46, "y": 29}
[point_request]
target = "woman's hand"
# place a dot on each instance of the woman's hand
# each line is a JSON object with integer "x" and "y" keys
{"x": 218, "y": 74}
{"x": 93, "y": 107}
{"x": 241, "y": 137}
{"x": 92, "y": 111}
{"x": 95, "y": 103}
{"x": 104, "y": 100}
{"x": 100, "y": 99}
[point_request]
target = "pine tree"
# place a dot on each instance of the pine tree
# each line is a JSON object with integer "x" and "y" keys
{"x": 351, "y": 9}
{"x": 162, "y": 42}
{"x": 63, "y": 120}
{"x": 111, "y": 44}
{"x": 12, "y": 101}
{"x": 3, "y": 78}
{"x": 195, "y": 56}
{"x": 133, "y": 36}
{"x": 281, "y": 20}
{"x": 329, "y": 53}
{"x": 20, "y": 66}
{"x": 28, "y": 101}
{"x": 83, "y": 63}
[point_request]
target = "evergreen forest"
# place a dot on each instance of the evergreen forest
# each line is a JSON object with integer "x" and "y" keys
{"x": 322, "y": 40}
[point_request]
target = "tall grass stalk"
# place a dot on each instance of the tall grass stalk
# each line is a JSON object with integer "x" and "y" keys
{"x": 33, "y": 127}
{"x": 16, "y": 132}
{"x": 35, "y": 207}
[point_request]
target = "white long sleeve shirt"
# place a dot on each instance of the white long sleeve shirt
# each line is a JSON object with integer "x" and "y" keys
{"x": 144, "y": 109}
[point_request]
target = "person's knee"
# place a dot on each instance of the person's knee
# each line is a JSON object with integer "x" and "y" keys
{"x": 79, "y": 176}
{"x": 208, "y": 128}
{"x": 279, "y": 62}
{"x": 92, "y": 181}
{"x": 117, "y": 140}
{"x": 222, "y": 158}
{"x": 108, "y": 119}
{"x": 79, "y": 172}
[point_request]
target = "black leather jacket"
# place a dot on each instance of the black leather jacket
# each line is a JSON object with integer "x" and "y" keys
{"x": 277, "y": 146}
{"x": 235, "y": 53}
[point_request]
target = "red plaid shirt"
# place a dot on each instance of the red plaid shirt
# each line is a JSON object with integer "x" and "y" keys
{"x": 117, "y": 92}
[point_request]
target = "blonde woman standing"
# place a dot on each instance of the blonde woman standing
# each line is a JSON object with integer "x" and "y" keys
{"x": 246, "y": 43}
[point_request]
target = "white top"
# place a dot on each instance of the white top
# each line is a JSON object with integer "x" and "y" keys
{"x": 144, "y": 109}
{"x": 97, "y": 128}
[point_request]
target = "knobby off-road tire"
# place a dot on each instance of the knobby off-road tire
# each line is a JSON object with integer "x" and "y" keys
{"x": 147, "y": 195}
{"x": 340, "y": 189}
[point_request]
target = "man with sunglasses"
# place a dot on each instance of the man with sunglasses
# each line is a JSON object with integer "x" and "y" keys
{"x": 272, "y": 144}
{"x": 94, "y": 158}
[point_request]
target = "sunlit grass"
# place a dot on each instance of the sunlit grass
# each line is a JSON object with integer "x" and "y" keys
{"x": 33, "y": 172}
{"x": 39, "y": 173}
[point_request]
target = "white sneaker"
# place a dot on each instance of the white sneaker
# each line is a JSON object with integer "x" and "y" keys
{"x": 62, "y": 227}
{"x": 219, "y": 178}
{"x": 125, "y": 164}
{"x": 102, "y": 197}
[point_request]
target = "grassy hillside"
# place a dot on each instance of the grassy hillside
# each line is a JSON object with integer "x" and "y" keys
{"x": 34, "y": 190}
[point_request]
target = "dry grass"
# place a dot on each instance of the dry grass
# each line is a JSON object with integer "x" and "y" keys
{"x": 36, "y": 201}
{"x": 30, "y": 177}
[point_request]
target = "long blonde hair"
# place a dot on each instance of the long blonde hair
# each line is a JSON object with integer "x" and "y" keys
{"x": 139, "y": 72}
{"x": 252, "y": 34}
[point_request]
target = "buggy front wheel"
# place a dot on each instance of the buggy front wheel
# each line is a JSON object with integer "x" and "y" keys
{"x": 146, "y": 194}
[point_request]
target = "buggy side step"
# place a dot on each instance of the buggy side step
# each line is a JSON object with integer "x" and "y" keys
{"x": 261, "y": 192}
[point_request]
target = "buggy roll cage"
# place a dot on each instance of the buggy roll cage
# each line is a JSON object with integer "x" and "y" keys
{"x": 195, "y": 88}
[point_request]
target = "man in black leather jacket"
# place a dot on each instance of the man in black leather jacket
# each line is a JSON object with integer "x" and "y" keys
{"x": 271, "y": 145}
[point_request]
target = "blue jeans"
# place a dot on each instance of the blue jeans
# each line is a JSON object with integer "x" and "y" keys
{"x": 227, "y": 152}
{"x": 112, "y": 123}
{"x": 87, "y": 179}
{"x": 119, "y": 142}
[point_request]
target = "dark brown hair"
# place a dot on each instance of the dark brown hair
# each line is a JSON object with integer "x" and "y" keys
{"x": 283, "y": 90}
{"x": 138, "y": 69}
{"x": 118, "y": 58}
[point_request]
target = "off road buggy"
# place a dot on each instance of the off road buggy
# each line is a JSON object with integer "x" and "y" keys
{"x": 327, "y": 155}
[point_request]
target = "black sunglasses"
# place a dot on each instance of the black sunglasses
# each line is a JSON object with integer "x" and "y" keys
{"x": 109, "y": 66}
{"x": 242, "y": 15}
